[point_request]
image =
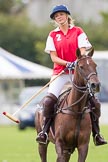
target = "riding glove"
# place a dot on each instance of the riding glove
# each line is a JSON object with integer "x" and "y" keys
{"x": 71, "y": 65}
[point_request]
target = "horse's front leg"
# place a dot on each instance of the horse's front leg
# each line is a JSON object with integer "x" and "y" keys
{"x": 82, "y": 153}
{"x": 59, "y": 150}
{"x": 43, "y": 152}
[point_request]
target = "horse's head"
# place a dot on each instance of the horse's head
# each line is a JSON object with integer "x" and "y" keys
{"x": 86, "y": 69}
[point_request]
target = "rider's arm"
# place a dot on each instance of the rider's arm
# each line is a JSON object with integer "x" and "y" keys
{"x": 56, "y": 59}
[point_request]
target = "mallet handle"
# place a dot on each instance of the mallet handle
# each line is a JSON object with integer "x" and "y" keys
{"x": 28, "y": 101}
{"x": 36, "y": 94}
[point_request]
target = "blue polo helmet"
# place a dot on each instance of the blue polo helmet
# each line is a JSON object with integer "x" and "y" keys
{"x": 59, "y": 8}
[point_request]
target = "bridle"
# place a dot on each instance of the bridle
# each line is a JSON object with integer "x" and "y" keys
{"x": 86, "y": 90}
{"x": 81, "y": 72}
{"x": 86, "y": 78}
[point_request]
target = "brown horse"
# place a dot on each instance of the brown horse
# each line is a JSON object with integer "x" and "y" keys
{"x": 72, "y": 124}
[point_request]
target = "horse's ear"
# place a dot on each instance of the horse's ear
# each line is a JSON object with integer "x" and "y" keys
{"x": 91, "y": 52}
{"x": 78, "y": 53}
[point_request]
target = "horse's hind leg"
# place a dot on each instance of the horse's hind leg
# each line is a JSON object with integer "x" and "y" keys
{"x": 43, "y": 152}
{"x": 82, "y": 153}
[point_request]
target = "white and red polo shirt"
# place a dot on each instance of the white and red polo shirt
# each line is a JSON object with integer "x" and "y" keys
{"x": 66, "y": 45}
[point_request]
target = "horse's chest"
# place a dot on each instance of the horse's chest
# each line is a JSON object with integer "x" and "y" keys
{"x": 65, "y": 122}
{"x": 68, "y": 125}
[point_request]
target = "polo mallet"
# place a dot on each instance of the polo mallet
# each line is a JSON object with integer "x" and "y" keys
{"x": 11, "y": 117}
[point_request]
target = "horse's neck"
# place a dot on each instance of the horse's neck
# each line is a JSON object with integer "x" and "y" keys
{"x": 77, "y": 94}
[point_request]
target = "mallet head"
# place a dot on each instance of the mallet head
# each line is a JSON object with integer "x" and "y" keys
{"x": 11, "y": 117}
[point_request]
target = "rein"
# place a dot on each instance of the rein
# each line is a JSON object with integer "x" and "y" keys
{"x": 75, "y": 103}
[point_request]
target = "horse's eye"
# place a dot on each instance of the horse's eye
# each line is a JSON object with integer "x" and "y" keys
{"x": 81, "y": 67}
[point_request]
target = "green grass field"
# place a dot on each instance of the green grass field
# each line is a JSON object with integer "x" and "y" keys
{"x": 20, "y": 146}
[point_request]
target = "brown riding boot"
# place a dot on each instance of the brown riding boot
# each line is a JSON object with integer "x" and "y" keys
{"x": 48, "y": 112}
{"x": 42, "y": 137}
{"x": 95, "y": 114}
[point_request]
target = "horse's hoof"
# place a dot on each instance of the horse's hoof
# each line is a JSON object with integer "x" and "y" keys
{"x": 99, "y": 140}
{"x": 42, "y": 138}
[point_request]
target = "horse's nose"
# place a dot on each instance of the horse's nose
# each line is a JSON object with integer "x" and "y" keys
{"x": 95, "y": 87}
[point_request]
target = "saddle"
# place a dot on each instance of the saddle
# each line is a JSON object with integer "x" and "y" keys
{"x": 61, "y": 99}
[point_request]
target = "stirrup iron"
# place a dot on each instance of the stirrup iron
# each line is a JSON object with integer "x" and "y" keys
{"x": 45, "y": 138}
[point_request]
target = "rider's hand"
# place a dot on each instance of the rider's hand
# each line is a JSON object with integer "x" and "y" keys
{"x": 71, "y": 65}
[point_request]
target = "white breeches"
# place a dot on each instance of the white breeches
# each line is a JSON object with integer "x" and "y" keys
{"x": 57, "y": 85}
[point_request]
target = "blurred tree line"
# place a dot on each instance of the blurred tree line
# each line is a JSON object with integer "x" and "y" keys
{"x": 19, "y": 36}
{"x": 98, "y": 33}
